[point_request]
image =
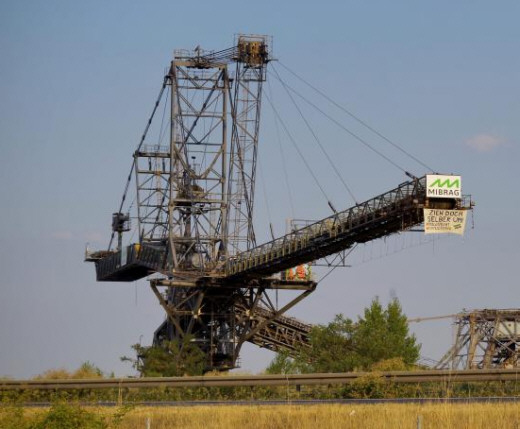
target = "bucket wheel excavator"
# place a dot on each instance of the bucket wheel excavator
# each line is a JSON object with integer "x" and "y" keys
{"x": 195, "y": 199}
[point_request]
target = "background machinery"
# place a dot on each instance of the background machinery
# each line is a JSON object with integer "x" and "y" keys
{"x": 485, "y": 339}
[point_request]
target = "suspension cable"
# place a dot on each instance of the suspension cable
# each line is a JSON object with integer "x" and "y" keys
{"x": 266, "y": 200}
{"x": 316, "y": 138}
{"x": 282, "y": 155}
{"x": 337, "y": 265}
{"x": 143, "y": 137}
{"x": 291, "y": 138}
{"x": 356, "y": 118}
{"x": 362, "y": 141}
{"x": 163, "y": 130}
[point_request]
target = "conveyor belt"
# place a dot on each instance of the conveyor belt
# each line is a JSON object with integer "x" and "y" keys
{"x": 281, "y": 333}
{"x": 388, "y": 213}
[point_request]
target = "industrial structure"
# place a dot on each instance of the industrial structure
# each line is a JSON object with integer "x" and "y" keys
{"x": 195, "y": 204}
{"x": 485, "y": 339}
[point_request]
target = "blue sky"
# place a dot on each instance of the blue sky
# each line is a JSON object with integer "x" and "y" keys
{"x": 78, "y": 81}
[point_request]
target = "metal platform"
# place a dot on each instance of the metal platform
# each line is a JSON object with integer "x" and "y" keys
{"x": 132, "y": 263}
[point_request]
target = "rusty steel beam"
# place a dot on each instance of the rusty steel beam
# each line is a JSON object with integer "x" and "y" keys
{"x": 280, "y": 333}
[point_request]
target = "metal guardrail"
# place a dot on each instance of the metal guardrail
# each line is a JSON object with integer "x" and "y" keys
{"x": 293, "y": 401}
{"x": 446, "y": 376}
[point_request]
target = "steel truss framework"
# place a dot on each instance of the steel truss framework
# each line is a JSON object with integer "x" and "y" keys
{"x": 276, "y": 333}
{"x": 211, "y": 195}
{"x": 485, "y": 339}
{"x": 195, "y": 202}
{"x": 221, "y": 319}
{"x": 211, "y": 198}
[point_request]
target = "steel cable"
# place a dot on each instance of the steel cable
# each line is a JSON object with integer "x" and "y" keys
{"x": 291, "y": 139}
{"x": 356, "y": 118}
{"x": 364, "y": 142}
{"x": 316, "y": 138}
{"x": 143, "y": 137}
{"x": 282, "y": 155}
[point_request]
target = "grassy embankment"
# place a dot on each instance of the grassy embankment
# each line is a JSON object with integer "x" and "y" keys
{"x": 389, "y": 416}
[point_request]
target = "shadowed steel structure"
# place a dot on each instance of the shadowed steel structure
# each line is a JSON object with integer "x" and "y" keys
{"x": 195, "y": 203}
{"x": 485, "y": 339}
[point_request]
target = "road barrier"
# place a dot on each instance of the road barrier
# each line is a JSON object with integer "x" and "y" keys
{"x": 429, "y": 376}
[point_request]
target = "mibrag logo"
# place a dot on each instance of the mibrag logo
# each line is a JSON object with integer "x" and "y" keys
{"x": 446, "y": 183}
{"x": 443, "y": 186}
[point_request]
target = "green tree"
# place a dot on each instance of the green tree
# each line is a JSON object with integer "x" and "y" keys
{"x": 342, "y": 345}
{"x": 170, "y": 359}
{"x": 383, "y": 334}
{"x": 331, "y": 348}
{"x": 282, "y": 363}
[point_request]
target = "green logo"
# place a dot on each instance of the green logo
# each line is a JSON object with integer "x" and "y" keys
{"x": 447, "y": 183}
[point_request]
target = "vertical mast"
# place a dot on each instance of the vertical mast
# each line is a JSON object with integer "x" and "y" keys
{"x": 252, "y": 56}
{"x": 198, "y": 147}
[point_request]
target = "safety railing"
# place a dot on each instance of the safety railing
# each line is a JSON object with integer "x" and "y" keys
{"x": 381, "y": 208}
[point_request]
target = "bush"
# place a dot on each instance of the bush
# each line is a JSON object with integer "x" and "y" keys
{"x": 65, "y": 416}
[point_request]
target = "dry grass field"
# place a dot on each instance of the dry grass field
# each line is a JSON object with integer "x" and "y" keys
{"x": 377, "y": 416}
{"x": 388, "y": 416}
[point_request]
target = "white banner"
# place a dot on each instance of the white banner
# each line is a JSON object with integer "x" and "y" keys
{"x": 438, "y": 186}
{"x": 444, "y": 221}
